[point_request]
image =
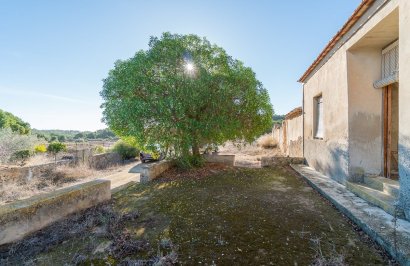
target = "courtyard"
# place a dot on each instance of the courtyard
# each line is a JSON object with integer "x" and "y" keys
{"x": 215, "y": 215}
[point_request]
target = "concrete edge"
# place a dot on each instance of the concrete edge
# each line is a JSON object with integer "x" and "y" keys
{"x": 20, "y": 218}
{"x": 387, "y": 245}
{"x": 123, "y": 186}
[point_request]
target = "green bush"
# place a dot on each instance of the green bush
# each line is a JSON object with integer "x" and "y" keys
{"x": 189, "y": 161}
{"x": 56, "y": 147}
{"x": 22, "y": 155}
{"x": 125, "y": 150}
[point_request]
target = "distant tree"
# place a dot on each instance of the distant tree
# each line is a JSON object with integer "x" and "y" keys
{"x": 90, "y": 135}
{"x": 42, "y": 136}
{"x": 79, "y": 135}
{"x": 185, "y": 93}
{"x": 8, "y": 120}
{"x": 61, "y": 138}
{"x": 104, "y": 134}
{"x": 53, "y": 138}
{"x": 55, "y": 148}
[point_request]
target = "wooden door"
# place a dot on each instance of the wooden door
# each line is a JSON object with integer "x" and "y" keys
{"x": 390, "y": 131}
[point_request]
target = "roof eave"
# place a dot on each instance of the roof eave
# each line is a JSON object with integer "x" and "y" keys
{"x": 357, "y": 14}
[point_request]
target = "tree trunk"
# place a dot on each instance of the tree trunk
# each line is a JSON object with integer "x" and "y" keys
{"x": 195, "y": 150}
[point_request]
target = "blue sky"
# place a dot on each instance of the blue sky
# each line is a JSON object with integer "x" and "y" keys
{"x": 54, "y": 54}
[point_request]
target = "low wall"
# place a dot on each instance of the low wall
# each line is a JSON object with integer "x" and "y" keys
{"x": 24, "y": 174}
{"x": 219, "y": 158}
{"x": 23, "y": 217}
{"x": 289, "y": 134}
{"x": 153, "y": 170}
{"x": 280, "y": 161}
{"x": 104, "y": 160}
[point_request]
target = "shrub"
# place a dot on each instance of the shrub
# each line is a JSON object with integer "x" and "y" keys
{"x": 267, "y": 141}
{"x": 99, "y": 149}
{"x": 55, "y": 148}
{"x": 189, "y": 161}
{"x": 12, "y": 142}
{"x": 125, "y": 150}
{"x": 41, "y": 148}
{"x": 21, "y": 155}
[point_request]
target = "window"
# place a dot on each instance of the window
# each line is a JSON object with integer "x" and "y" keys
{"x": 318, "y": 118}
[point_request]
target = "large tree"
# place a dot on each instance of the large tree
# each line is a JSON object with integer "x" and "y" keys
{"x": 184, "y": 92}
{"x": 8, "y": 120}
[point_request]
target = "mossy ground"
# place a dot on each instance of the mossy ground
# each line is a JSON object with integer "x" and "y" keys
{"x": 231, "y": 217}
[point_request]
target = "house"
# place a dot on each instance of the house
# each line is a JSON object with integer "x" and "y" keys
{"x": 356, "y": 102}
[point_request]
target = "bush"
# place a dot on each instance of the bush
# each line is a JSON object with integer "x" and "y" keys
{"x": 21, "y": 155}
{"x": 267, "y": 141}
{"x": 99, "y": 149}
{"x": 189, "y": 161}
{"x": 12, "y": 142}
{"x": 41, "y": 148}
{"x": 56, "y": 147}
{"x": 125, "y": 150}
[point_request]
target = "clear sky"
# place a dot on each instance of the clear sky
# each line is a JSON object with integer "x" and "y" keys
{"x": 54, "y": 54}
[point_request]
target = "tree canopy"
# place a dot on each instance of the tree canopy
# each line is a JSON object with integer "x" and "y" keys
{"x": 185, "y": 93}
{"x": 8, "y": 120}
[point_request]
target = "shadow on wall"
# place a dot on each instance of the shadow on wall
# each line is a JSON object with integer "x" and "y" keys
{"x": 404, "y": 172}
{"x": 329, "y": 158}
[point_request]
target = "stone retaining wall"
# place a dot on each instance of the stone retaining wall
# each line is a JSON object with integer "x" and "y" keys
{"x": 104, "y": 160}
{"x": 280, "y": 161}
{"x": 24, "y": 174}
{"x": 23, "y": 217}
{"x": 152, "y": 170}
{"x": 219, "y": 158}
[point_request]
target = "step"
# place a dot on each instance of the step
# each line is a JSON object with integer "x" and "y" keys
{"x": 392, "y": 189}
{"x": 389, "y": 186}
{"x": 375, "y": 197}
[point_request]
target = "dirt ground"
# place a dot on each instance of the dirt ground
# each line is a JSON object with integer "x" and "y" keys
{"x": 216, "y": 215}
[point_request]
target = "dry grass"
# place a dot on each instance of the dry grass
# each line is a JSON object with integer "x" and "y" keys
{"x": 267, "y": 141}
{"x": 51, "y": 180}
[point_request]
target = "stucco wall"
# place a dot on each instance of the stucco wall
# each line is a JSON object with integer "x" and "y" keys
{"x": 330, "y": 154}
{"x": 404, "y": 107}
{"x": 289, "y": 136}
{"x": 365, "y": 113}
{"x": 294, "y": 137}
{"x": 352, "y": 143}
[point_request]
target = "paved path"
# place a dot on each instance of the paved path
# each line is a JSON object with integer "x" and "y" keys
{"x": 125, "y": 177}
{"x": 392, "y": 234}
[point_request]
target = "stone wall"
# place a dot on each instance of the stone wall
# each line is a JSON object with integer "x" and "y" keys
{"x": 104, "y": 160}
{"x": 280, "y": 161}
{"x": 152, "y": 170}
{"x": 23, "y": 217}
{"x": 24, "y": 174}
{"x": 219, "y": 158}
